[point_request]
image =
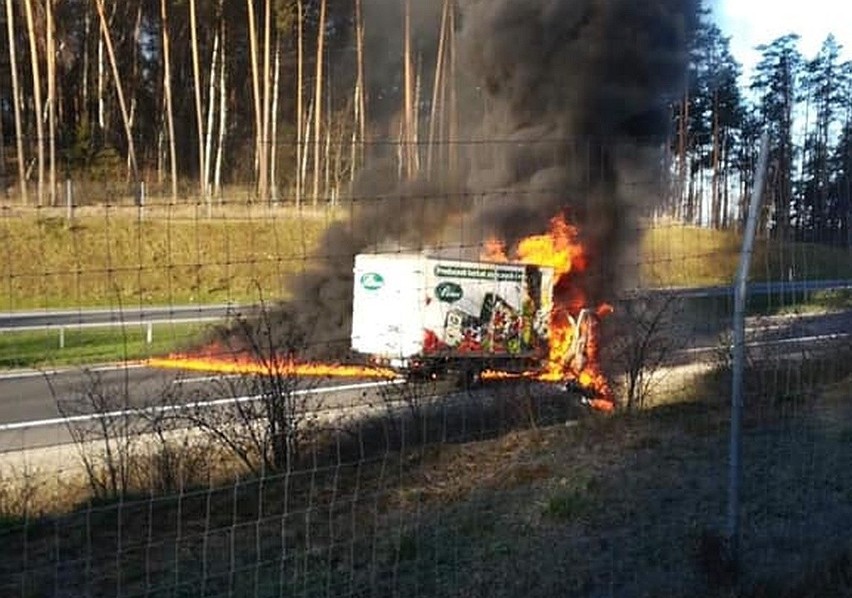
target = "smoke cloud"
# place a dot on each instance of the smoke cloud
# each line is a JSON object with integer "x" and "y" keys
{"x": 567, "y": 110}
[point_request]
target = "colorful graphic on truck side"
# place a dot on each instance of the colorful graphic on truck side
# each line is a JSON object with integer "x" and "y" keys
{"x": 485, "y": 309}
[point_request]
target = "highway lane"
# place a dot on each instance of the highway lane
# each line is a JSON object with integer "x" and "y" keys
{"x": 765, "y": 335}
{"x": 28, "y": 400}
{"x": 30, "y": 414}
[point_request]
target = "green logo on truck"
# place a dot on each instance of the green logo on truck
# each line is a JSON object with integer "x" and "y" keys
{"x": 449, "y": 292}
{"x": 372, "y": 281}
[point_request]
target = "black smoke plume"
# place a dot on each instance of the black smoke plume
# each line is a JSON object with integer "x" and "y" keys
{"x": 567, "y": 106}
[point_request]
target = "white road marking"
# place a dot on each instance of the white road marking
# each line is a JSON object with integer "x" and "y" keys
{"x": 167, "y": 408}
{"x": 205, "y": 378}
{"x": 60, "y": 371}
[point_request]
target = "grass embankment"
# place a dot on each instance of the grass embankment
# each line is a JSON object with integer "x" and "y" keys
{"x": 81, "y": 346}
{"x": 675, "y": 255}
{"x": 112, "y": 257}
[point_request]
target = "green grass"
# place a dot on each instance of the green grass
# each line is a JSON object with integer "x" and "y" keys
{"x": 92, "y": 345}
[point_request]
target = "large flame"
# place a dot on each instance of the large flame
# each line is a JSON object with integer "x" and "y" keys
{"x": 561, "y": 250}
{"x": 222, "y": 362}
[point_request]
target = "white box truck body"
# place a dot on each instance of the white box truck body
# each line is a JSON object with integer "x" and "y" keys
{"x": 411, "y": 309}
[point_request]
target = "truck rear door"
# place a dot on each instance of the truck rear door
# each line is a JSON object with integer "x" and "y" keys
{"x": 387, "y": 301}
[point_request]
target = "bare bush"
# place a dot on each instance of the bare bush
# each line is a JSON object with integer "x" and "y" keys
{"x": 19, "y": 489}
{"x": 259, "y": 417}
{"x": 647, "y": 331}
{"x": 128, "y": 442}
{"x": 177, "y": 455}
{"x": 99, "y": 419}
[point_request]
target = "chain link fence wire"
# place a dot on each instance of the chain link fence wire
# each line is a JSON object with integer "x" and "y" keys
{"x": 157, "y": 439}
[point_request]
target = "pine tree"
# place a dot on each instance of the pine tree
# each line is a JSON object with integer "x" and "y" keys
{"x": 825, "y": 97}
{"x": 775, "y": 81}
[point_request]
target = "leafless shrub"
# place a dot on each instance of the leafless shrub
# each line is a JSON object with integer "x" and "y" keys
{"x": 19, "y": 488}
{"x": 99, "y": 419}
{"x": 260, "y": 417}
{"x": 177, "y": 457}
{"x": 646, "y": 331}
{"x": 128, "y": 442}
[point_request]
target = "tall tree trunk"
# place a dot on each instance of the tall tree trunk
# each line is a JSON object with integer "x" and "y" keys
{"x": 273, "y": 150}
{"x": 211, "y": 112}
{"x": 307, "y": 137}
{"x": 318, "y": 100}
{"x": 51, "y": 100}
{"x": 167, "y": 92}
{"x": 438, "y": 88}
{"x": 453, "y": 124}
{"x": 715, "y": 200}
{"x": 16, "y": 102}
{"x": 223, "y": 117}
{"x": 726, "y": 182}
{"x": 255, "y": 85}
{"x": 407, "y": 133}
{"x": 85, "y": 108}
{"x": 300, "y": 66}
{"x": 415, "y": 117}
{"x": 263, "y": 163}
{"x": 36, "y": 76}
{"x": 131, "y": 150}
{"x": 101, "y": 82}
{"x": 137, "y": 28}
{"x": 683, "y": 128}
{"x": 199, "y": 112}
{"x": 326, "y": 162}
{"x": 361, "y": 95}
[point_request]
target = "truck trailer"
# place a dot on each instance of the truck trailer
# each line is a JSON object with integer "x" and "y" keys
{"x": 426, "y": 315}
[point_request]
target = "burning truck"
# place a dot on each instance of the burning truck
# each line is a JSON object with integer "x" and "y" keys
{"x": 492, "y": 318}
{"x": 419, "y": 313}
{"x": 518, "y": 314}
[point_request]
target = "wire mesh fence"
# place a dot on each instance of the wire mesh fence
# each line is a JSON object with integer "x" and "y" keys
{"x": 183, "y": 414}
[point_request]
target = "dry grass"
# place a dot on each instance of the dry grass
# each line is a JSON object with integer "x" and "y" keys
{"x": 608, "y": 505}
{"x": 676, "y": 255}
{"x": 186, "y": 253}
{"x": 111, "y": 257}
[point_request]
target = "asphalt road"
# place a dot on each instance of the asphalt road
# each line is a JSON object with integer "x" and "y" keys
{"x": 30, "y": 416}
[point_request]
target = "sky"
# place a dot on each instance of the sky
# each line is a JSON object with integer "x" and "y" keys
{"x": 753, "y": 22}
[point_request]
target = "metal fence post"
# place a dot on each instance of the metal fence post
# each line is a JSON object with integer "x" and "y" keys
{"x": 69, "y": 199}
{"x": 735, "y": 464}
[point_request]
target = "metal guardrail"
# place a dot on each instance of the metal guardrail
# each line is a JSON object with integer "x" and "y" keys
{"x": 99, "y": 317}
{"x": 185, "y": 314}
{"x": 756, "y": 288}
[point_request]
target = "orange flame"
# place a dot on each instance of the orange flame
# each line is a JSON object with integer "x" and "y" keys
{"x": 567, "y": 359}
{"x": 220, "y": 362}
